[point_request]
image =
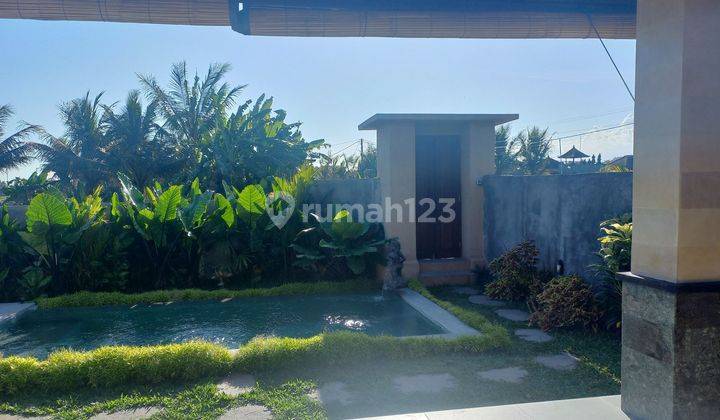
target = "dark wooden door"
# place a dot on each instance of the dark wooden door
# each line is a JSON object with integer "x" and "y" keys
{"x": 437, "y": 188}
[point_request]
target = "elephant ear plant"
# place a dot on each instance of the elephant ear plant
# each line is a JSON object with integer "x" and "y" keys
{"x": 54, "y": 227}
{"x": 343, "y": 245}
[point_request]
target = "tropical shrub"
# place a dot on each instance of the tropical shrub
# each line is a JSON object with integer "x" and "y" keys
{"x": 13, "y": 258}
{"x": 55, "y": 226}
{"x": 22, "y": 190}
{"x": 565, "y": 302}
{"x": 514, "y": 272}
{"x": 615, "y": 253}
{"x": 340, "y": 245}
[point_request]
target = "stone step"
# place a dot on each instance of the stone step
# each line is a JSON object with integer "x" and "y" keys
{"x": 437, "y": 278}
{"x": 446, "y": 264}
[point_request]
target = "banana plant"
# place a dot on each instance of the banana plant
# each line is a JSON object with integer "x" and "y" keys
{"x": 169, "y": 224}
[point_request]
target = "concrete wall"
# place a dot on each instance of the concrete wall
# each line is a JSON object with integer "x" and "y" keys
{"x": 344, "y": 191}
{"x": 561, "y": 213}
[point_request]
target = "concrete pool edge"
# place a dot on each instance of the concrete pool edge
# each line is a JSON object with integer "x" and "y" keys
{"x": 436, "y": 314}
{"x": 10, "y": 311}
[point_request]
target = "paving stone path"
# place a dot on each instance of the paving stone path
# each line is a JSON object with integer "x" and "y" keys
{"x": 135, "y": 414}
{"x": 533, "y": 334}
{"x": 465, "y": 290}
{"x": 513, "y": 314}
{"x": 247, "y": 412}
{"x": 485, "y": 301}
{"x": 513, "y": 375}
{"x": 563, "y": 361}
{"x": 335, "y": 392}
{"x": 236, "y": 384}
{"x": 425, "y": 383}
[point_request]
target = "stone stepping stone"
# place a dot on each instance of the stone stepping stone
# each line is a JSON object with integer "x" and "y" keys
{"x": 513, "y": 314}
{"x": 513, "y": 375}
{"x": 236, "y": 384}
{"x": 465, "y": 290}
{"x": 534, "y": 335}
{"x": 485, "y": 301}
{"x": 425, "y": 383}
{"x": 335, "y": 392}
{"x": 563, "y": 361}
{"x": 135, "y": 414}
{"x": 247, "y": 412}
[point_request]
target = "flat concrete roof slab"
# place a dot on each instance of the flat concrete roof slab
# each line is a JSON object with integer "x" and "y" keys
{"x": 378, "y": 120}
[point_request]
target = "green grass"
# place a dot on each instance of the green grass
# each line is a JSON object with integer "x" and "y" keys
{"x": 86, "y": 299}
{"x": 597, "y": 350}
{"x": 469, "y": 317}
{"x": 290, "y": 400}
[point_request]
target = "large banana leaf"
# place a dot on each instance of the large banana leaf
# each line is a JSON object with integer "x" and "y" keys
{"x": 167, "y": 204}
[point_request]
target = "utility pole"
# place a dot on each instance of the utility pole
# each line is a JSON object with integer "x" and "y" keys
{"x": 362, "y": 148}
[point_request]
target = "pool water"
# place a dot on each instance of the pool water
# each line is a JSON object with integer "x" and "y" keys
{"x": 230, "y": 323}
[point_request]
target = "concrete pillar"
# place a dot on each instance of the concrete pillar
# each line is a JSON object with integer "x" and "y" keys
{"x": 671, "y": 301}
{"x": 396, "y": 170}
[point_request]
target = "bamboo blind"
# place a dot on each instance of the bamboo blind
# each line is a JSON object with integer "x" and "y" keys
{"x": 320, "y": 18}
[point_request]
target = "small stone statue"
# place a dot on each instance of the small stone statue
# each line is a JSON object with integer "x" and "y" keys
{"x": 393, "y": 279}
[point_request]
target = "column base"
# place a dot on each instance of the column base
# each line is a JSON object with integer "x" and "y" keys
{"x": 670, "y": 349}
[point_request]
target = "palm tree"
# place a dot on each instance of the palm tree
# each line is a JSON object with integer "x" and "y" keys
{"x": 505, "y": 161}
{"x": 138, "y": 146}
{"x": 79, "y": 158}
{"x": 14, "y": 150}
{"x": 533, "y": 149}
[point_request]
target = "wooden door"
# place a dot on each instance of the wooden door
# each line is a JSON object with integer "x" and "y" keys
{"x": 437, "y": 188}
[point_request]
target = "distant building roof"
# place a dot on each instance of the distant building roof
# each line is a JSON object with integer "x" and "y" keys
{"x": 573, "y": 154}
{"x": 624, "y": 161}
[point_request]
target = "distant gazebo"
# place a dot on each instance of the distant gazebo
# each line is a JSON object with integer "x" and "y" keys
{"x": 572, "y": 154}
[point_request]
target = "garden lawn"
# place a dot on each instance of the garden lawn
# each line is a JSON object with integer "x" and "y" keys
{"x": 377, "y": 386}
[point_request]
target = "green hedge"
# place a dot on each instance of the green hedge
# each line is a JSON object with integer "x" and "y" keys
{"x": 81, "y": 299}
{"x": 126, "y": 366}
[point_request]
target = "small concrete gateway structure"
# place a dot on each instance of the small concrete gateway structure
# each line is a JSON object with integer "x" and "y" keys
{"x": 423, "y": 160}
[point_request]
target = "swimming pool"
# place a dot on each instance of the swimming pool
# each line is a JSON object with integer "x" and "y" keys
{"x": 231, "y": 323}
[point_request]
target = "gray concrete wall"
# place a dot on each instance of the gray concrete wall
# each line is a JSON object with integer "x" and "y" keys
{"x": 344, "y": 191}
{"x": 561, "y": 213}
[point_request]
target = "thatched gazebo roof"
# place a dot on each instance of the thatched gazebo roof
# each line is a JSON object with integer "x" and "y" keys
{"x": 357, "y": 18}
{"x": 573, "y": 154}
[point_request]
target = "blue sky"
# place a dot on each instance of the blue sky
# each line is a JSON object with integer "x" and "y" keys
{"x": 330, "y": 84}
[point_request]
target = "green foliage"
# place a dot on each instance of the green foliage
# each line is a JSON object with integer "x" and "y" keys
{"x": 55, "y": 227}
{"x": 566, "y": 302}
{"x": 13, "y": 258}
{"x": 531, "y": 149}
{"x": 85, "y": 299}
{"x": 615, "y": 253}
{"x": 32, "y": 284}
{"x": 21, "y": 190}
{"x": 340, "y": 245}
{"x": 14, "y": 150}
{"x": 505, "y": 161}
{"x": 515, "y": 273}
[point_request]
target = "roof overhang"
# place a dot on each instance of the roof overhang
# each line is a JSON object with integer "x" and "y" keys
{"x": 356, "y": 18}
{"x": 379, "y": 120}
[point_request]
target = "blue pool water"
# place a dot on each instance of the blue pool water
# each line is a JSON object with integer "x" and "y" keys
{"x": 229, "y": 323}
